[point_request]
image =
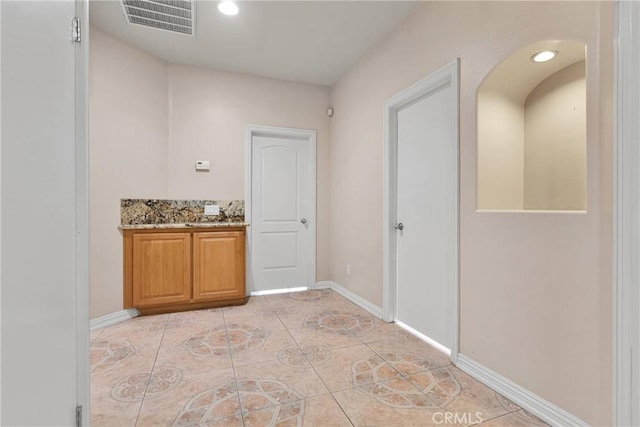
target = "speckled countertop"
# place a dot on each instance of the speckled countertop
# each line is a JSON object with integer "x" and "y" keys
{"x": 161, "y": 211}
{"x": 159, "y": 214}
{"x": 183, "y": 225}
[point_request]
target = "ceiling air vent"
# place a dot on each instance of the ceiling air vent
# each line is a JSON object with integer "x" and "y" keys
{"x": 168, "y": 15}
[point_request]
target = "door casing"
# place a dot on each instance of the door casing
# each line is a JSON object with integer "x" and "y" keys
{"x": 82, "y": 211}
{"x": 448, "y": 74}
{"x": 626, "y": 247}
{"x": 304, "y": 135}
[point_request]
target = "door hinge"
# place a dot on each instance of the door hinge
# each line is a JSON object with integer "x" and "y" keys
{"x": 78, "y": 416}
{"x": 76, "y": 30}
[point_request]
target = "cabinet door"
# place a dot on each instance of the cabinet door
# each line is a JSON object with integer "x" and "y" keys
{"x": 218, "y": 265}
{"x": 161, "y": 268}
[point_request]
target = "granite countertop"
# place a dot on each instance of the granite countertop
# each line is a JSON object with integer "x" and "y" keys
{"x": 183, "y": 225}
{"x": 161, "y": 211}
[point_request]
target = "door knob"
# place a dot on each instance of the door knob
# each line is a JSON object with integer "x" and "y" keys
{"x": 303, "y": 220}
{"x": 399, "y": 226}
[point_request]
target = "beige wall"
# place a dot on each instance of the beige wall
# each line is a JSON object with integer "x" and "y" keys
{"x": 535, "y": 288}
{"x": 149, "y": 123}
{"x": 209, "y": 112}
{"x": 128, "y": 145}
{"x": 500, "y": 151}
{"x": 555, "y": 142}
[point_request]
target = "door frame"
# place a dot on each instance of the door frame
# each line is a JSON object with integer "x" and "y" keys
{"x": 626, "y": 191}
{"x": 447, "y": 75}
{"x": 83, "y": 393}
{"x": 302, "y": 135}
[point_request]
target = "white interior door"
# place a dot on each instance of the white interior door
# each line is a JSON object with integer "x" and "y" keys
{"x": 44, "y": 209}
{"x": 282, "y": 210}
{"x": 426, "y": 193}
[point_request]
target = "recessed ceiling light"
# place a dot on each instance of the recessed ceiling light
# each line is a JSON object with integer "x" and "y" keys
{"x": 544, "y": 56}
{"x": 228, "y": 7}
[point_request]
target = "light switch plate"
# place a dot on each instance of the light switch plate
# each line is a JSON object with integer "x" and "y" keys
{"x": 211, "y": 210}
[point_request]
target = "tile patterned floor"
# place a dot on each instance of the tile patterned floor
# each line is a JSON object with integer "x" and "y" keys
{"x": 300, "y": 359}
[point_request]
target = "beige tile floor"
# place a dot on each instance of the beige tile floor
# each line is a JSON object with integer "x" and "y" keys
{"x": 300, "y": 359}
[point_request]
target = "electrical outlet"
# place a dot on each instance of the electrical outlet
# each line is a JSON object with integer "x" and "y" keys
{"x": 348, "y": 269}
{"x": 211, "y": 210}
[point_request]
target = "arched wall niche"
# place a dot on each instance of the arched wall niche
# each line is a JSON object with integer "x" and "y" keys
{"x": 531, "y": 120}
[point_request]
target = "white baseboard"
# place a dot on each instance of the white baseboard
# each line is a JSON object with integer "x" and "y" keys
{"x": 356, "y": 299}
{"x": 522, "y": 397}
{"x": 326, "y": 284}
{"x": 112, "y": 318}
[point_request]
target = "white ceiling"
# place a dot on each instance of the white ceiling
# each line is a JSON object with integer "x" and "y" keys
{"x": 303, "y": 41}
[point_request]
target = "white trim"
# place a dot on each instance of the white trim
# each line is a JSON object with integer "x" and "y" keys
{"x": 81, "y": 83}
{"x": 247, "y": 210}
{"x": 0, "y": 220}
{"x": 357, "y": 300}
{"x": 522, "y": 397}
{"x": 448, "y": 74}
{"x": 278, "y": 291}
{"x": 326, "y": 284}
{"x": 530, "y": 211}
{"x": 113, "y": 318}
{"x": 302, "y": 134}
{"x": 626, "y": 334}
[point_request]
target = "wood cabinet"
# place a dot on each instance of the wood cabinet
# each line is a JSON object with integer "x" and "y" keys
{"x": 161, "y": 268}
{"x": 183, "y": 269}
{"x": 218, "y": 265}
